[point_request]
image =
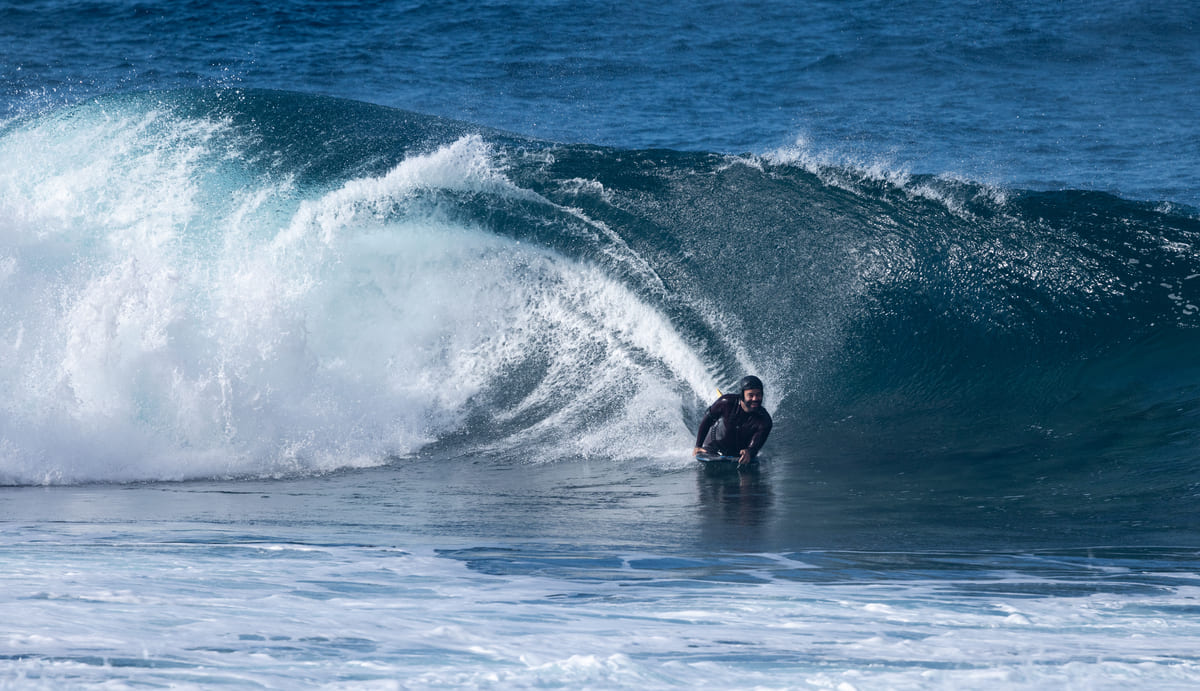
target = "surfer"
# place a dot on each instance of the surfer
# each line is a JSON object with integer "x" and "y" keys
{"x": 736, "y": 424}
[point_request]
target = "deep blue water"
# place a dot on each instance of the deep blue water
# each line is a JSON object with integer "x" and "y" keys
{"x": 412, "y": 308}
{"x": 1082, "y": 95}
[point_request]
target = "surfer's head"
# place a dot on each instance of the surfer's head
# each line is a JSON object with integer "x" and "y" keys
{"x": 751, "y": 388}
{"x": 750, "y": 382}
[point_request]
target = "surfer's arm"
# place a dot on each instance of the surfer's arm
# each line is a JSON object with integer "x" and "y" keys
{"x": 710, "y": 417}
{"x": 756, "y": 442}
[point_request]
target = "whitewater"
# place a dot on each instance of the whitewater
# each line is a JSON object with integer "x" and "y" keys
{"x": 363, "y": 347}
{"x": 246, "y": 331}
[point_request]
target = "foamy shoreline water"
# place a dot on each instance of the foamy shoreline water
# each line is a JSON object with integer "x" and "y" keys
{"x": 275, "y": 585}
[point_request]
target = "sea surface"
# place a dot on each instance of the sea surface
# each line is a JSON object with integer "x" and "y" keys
{"x": 360, "y": 345}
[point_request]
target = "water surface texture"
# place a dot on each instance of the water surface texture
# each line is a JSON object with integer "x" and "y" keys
{"x": 361, "y": 345}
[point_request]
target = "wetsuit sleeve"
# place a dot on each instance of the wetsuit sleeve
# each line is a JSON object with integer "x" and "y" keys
{"x": 760, "y": 436}
{"x": 713, "y": 414}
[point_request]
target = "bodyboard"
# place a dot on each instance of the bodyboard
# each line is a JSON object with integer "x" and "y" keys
{"x": 712, "y": 461}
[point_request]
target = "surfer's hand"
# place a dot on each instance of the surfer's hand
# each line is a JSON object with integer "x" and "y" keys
{"x": 697, "y": 451}
{"x": 744, "y": 457}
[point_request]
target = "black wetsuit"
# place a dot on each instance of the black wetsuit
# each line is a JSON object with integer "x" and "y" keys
{"x": 727, "y": 429}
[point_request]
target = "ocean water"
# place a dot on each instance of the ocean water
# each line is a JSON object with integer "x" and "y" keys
{"x": 361, "y": 345}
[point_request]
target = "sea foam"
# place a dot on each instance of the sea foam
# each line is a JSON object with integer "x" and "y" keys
{"x": 175, "y": 310}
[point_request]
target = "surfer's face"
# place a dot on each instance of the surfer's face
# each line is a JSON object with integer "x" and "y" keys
{"x": 752, "y": 399}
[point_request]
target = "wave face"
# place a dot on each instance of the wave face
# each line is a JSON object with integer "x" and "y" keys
{"x": 247, "y": 283}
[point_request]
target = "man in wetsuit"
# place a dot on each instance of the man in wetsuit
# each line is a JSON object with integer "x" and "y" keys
{"x": 736, "y": 424}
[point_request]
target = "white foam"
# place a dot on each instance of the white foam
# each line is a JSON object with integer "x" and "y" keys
{"x": 850, "y": 173}
{"x": 360, "y": 616}
{"x": 170, "y": 312}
